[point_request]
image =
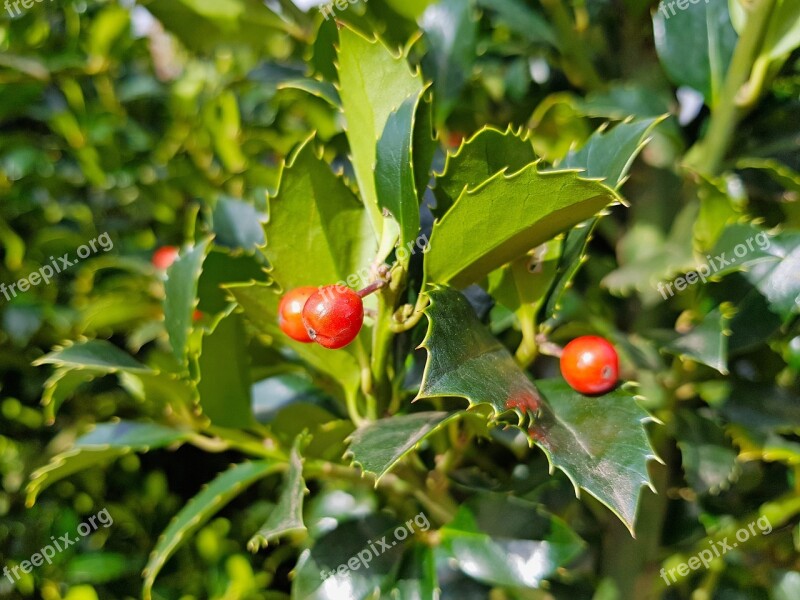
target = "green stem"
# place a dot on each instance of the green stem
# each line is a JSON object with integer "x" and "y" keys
{"x": 527, "y": 350}
{"x": 707, "y": 155}
{"x": 578, "y": 66}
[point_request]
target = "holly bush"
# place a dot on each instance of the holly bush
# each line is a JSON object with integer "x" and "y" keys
{"x": 505, "y": 176}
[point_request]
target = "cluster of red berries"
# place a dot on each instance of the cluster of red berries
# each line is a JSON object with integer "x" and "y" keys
{"x": 590, "y": 365}
{"x": 331, "y": 315}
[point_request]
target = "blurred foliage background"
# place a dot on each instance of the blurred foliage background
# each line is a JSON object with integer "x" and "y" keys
{"x": 149, "y": 120}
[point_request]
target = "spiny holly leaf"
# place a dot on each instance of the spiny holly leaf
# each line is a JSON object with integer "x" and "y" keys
{"x": 609, "y": 154}
{"x": 60, "y": 386}
{"x": 287, "y": 517}
{"x": 321, "y": 89}
{"x": 573, "y": 252}
{"x": 508, "y": 541}
{"x": 707, "y": 343}
{"x": 318, "y": 232}
{"x": 485, "y": 154}
{"x": 451, "y": 32}
{"x": 224, "y": 367}
{"x": 709, "y": 460}
{"x": 372, "y": 84}
{"x": 94, "y": 356}
{"x": 505, "y": 217}
{"x": 788, "y": 178}
{"x": 380, "y": 445}
{"x": 260, "y": 304}
{"x": 599, "y": 442}
{"x": 695, "y": 46}
{"x": 100, "y": 446}
{"x": 465, "y": 360}
{"x": 405, "y": 149}
{"x": 181, "y": 297}
{"x": 200, "y": 509}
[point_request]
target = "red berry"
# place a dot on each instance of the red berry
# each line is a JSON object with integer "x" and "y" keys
{"x": 290, "y": 313}
{"x": 333, "y": 316}
{"x": 197, "y": 315}
{"x": 164, "y": 257}
{"x": 590, "y": 365}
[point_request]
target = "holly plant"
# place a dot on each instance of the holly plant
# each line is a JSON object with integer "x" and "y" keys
{"x": 404, "y": 328}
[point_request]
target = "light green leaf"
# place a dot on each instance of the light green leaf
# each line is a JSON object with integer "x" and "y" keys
{"x": 485, "y": 154}
{"x": 181, "y": 296}
{"x": 60, "y": 386}
{"x": 287, "y": 517}
{"x": 695, "y": 45}
{"x": 372, "y": 84}
{"x": 95, "y": 356}
{"x": 335, "y": 239}
{"x": 224, "y": 366}
{"x": 506, "y": 216}
{"x": 465, "y": 360}
{"x": 378, "y": 446}
{"x": 526, "y": 280}
{"x": 200, "y": 509}
{"x": 105, "y": 443}
{"x": 599, "y": 442}
{"x": 321, "y": 89}
{"x": 609, "y": 154}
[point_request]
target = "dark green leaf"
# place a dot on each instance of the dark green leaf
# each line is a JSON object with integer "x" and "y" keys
{"x": 707, "y": 343}
{"x": 237, "y": 224}
{"x": 709, "y": 460}
{"x": 287, "y": 516}
{"x": 465, "y": 360}
{"x": 380, "y": 445}
{"x": 200, "y": 509}
{"x": 599, "y": 442}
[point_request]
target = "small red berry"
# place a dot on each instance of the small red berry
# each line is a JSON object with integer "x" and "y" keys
{"x": 590, "y": 365}
{"x": 290, "y": 313}
{"x": 197, "y": 315}
{"x": 333, "y": 316}
{"x": 164, "y": 257}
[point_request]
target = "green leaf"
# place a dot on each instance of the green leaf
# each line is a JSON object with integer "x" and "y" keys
{"x": 573, "y": 253}
{"x": 526, "y": 280}
{"x": 709, "y": 460}
{"x": 237, "y": 224}
{"x": 399, "y": 159}
{"x": 181, "y": 296}
{"x": 99, "y": 567}
{"x": 599, "y": 442}
{"x": 321, "y": 89}
{"x": 779, "y": 281}
{"x": 94, "y": 356}
{"x": 287, "y": 516}
{"x": 417, "y": 578}
{"x": 609, "y": 154}
{"x": 372, "y": 84}
{"x": 507, "y": 541}
{"x": 522, "y": 19}
{"x": 105, "y": 443}
{"x": 783, "y": 34}
{"x": 506, "y": 216}
{"x": 707, "y": 343}
{"x": 334, "y": 549}
{"x": 200, "y": 509}
{"x": 465, "y": 360}
{"x": 485, "y": 154}
{"x": 260, "y": 304}
{"x": 451, "y": 33}
{"x": 695, "y": 45}
{"x": 60, "y": 386}
{"x": 788, "y": 178}
{"x": 318, "y": 233}
{"x": 224, "y": 366}
{"x": 378, "y": 446}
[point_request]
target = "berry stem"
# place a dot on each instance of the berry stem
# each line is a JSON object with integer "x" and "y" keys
{"x": 372, "y": 288}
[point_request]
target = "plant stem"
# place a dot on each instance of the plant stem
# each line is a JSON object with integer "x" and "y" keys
{"x": 527, "y": 350}
{"x": 707, "y": 155}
